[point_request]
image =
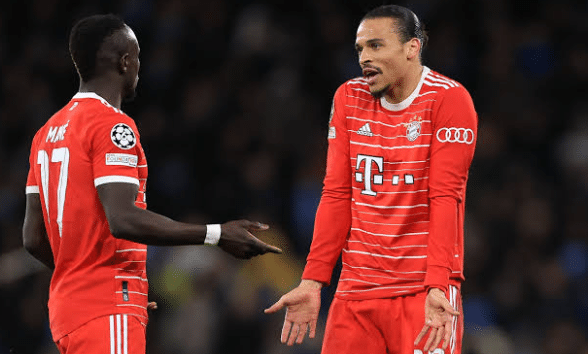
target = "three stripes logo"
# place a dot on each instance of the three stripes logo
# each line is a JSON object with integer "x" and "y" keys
{"x": 365, "y": 130}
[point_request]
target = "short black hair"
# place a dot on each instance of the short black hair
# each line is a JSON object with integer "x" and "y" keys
{"x": 85, "y": 39}
{"x": 408, "y": 24}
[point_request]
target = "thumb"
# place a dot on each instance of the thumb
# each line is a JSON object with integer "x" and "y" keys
{"x": 275, "y": 307}
{"x": 447, "y": 307}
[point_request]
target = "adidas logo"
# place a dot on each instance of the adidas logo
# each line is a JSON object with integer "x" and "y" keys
{"x": 365, "y": 130}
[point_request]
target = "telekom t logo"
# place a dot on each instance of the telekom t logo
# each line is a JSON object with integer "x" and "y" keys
{"x": 367, "y": 177}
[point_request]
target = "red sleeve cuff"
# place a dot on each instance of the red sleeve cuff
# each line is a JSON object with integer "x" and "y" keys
{"x": 437, "y": 277}
{"x": 318, "y": 271}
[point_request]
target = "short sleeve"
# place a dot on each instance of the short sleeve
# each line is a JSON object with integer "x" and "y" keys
{"x": 115, "y": 150}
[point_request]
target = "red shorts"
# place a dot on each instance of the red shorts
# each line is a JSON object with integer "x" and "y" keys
{"x": 113, "y": 334}
{"x": 380, "y": 326}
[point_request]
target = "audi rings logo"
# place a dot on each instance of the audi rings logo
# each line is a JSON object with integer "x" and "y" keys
{"x": 455, "y": 135}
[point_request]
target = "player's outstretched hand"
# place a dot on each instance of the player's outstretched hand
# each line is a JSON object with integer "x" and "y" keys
{"x": 302, "y": 309}
{"x": 438, "y": 317}
{"x": 237, "y": 239}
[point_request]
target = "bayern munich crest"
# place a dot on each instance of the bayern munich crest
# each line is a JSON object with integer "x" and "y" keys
{"x": 122, "y": 136}
{"x": 413, "y": 128}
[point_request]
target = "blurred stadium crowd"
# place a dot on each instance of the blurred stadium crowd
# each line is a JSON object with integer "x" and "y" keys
{"x": 232, "y": 107}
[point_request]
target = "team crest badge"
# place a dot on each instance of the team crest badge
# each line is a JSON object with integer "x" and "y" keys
{"x": 413, "y": 128}
{"x": 123, "y": 136}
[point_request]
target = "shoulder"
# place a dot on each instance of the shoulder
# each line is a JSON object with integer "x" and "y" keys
{"x": 445, "y": 87}
{"x": 355, "y": 89}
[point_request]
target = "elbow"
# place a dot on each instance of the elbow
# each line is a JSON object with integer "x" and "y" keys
{"x": 122, "y": 227}
{"x": 31, "y": 244}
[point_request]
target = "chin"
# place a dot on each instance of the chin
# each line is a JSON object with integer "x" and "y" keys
{"x": 379, "y": 93}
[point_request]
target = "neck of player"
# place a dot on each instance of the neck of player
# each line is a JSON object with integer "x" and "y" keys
{"x": 406, "y": 85}
{"x": 104, "y": 87}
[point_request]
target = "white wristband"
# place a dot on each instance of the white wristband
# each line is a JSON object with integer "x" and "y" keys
{"x": 213, "y": 234}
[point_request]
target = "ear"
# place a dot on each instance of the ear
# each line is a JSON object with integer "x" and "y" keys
{"x": 413, "y": 48}
{"x": 123, "y": 63}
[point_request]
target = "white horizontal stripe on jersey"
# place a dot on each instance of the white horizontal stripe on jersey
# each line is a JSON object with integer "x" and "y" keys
{"x": 359, "y": 98}
{"x": 380, "y": 276}
{"x": 383, "y": 255}
{"x": 132, "y": 250}
{"x": 390, "y": 147}
{"x": 385, "y": 214}
{"x": 359, "y": 281}
{"x": 32, "y": 190}
{"x": 423, "y": 101}
{"x": 438, "y": 78}
{"x": 145, "y": 165}
{"x": 358, "y": 80}
{"x": 419, "y": 178}
{"x": 385, "y": 247}
{"x": 441, "y": 81}
{"x": 410, "y": 113}
{"x": 387, "y": 224}
{"x": 385, "y": 137}
{"x": 115, "y": 179}
{"x": 362, "y": 90}
{"x": 399, "y": 192}
{"x": 390, "y": 206}
{"x": 133, "y": 292}
{"x": 386, "y": 235}
{"x": 435, "y": 84}
{"x": 129, "y": 277}
{"x": 398, "y": 163}
{"x": 383, "y": 288}
{"x": 132, "y": 305}
{"x": 384, "y": 270}
{"x": 426, "y": 93}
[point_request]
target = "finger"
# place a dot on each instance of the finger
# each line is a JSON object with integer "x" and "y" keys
{"x": 421, "y": 335}
{"x": 438, "y": 338}
{"x": 293, "y": 333}
{"x": 258, "y": 226}
{"x": 152, "y": 306}
{"x": 301, "y": 333}
{"x": 271, "y": 249}
{"x": 312, "y": 331}
{"x": 447, "y": 336}
{"x": 275, "y": 307}
{"x": 285, "y": 331}
{"x": 432, "y": 335}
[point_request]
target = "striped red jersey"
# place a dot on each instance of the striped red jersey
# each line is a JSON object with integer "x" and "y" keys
{"x": 85, "y": 144}
{"x": 393, "y": 196}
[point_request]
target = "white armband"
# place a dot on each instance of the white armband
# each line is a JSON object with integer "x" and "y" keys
{"x": 213, "y": 234}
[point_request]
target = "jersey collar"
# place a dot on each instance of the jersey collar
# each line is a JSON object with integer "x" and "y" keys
{"x": 408, "y": 101}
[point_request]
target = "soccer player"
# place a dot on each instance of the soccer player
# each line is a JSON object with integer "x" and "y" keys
{"x": 401, "y": 141}
{"x": 86, "y": 214}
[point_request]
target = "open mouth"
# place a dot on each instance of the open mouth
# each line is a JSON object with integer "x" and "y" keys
{"x": 370, "y": 74}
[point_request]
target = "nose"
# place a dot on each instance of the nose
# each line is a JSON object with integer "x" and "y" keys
{"x": 364, "y": 57}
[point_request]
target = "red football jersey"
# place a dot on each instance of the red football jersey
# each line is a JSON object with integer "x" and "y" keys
{"x": 393, "y": 196}
{"x": 85, "y": 144}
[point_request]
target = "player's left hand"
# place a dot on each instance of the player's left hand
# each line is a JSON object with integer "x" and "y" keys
{"x": 438, "y": 317}
{"x": 152, "y": 306}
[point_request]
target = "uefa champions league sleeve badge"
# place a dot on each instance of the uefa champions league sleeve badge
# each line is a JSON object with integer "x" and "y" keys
{"x": 123, "y": 136}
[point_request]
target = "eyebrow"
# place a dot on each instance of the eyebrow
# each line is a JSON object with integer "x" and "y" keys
{"x": 370, "y": 41}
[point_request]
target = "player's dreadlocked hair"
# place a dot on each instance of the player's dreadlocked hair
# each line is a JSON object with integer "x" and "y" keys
{"x": 407, "y": 23}
{"x": 85, "y": 40}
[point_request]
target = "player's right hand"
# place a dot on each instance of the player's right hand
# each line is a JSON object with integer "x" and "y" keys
{"x": 237, "y": 239}
{"x": 302, "y": 309}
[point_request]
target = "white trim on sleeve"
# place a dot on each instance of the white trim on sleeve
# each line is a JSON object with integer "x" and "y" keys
{"x": 115, "y": 179}
{"x": 32, "y": 189}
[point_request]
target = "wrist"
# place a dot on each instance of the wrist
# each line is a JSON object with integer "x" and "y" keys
{"x": 213, "y": 234}
{"x": 311, "y": 284}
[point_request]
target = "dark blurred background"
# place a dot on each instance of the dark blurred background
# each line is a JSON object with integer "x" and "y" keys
{"x": 233, "y": 103}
